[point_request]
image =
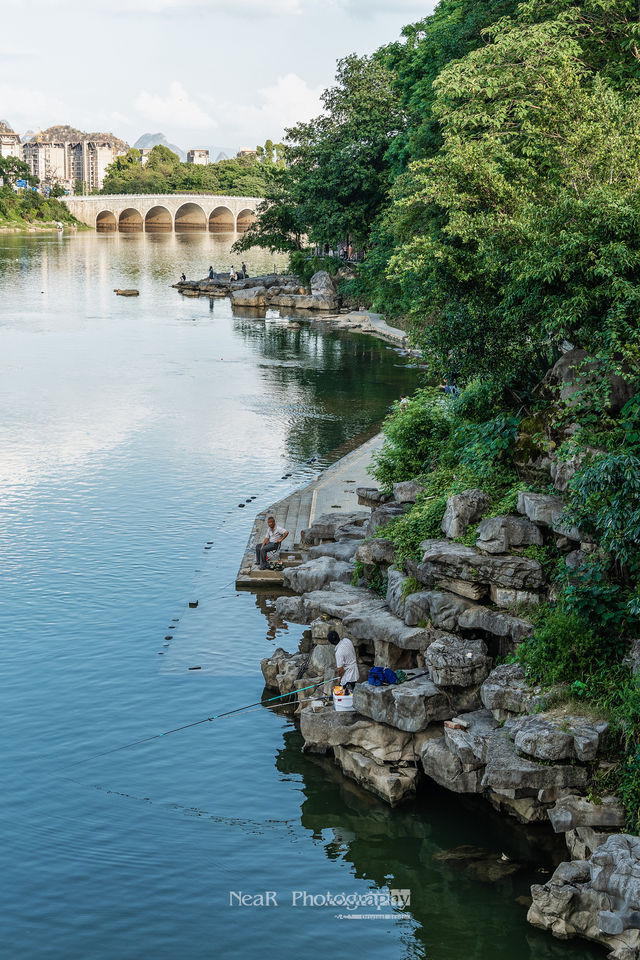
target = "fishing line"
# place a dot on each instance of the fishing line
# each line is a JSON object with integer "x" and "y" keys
{"x": 195, "y": 723}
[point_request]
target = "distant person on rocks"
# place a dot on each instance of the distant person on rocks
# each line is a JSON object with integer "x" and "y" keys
{"x": 232, "y": 273}
{"x": 403, "y": 401}
{"x": 346, "y": 661}
{"x": 350, "y": 255}
{"x": 210, "y": 273}
{"x": 183, "y": 278}
{"x": 271, "y": 543}
{"x": 244, "y": 271}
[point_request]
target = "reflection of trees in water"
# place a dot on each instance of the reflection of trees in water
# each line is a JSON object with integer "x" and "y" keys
{"x": 456, "y": 915}
{"x": 327, "y": 386}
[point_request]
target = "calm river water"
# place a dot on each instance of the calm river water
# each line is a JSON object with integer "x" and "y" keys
{"x": 131, "y": 430}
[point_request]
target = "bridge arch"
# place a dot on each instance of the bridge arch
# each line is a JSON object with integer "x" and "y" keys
{"x": 106, "y": 222}
{"x": 244, "y": 220}
{"x": 158, "y": 220}
{"x": 221, "y": 220}
{"x": 190, "y": 216}
{"x": 130, "y": 221}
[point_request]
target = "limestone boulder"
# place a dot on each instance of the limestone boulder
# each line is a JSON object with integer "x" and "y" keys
{"x": 272, "y": 666}
{"x": 325, "y": 527}
{"x": 344, "y": 550}
{"x": 507, "y": 771}
{"x": 291, "y": 609}
{"x": 442, "y": 608}
{"x": 252, "y": 297}
{"x": 503, "y": 597}
{"x": 322, "y": 661}
{"x": 382, "y": 515}
{"x": 324, "y": 729}
{"x": 447, "y": 770}
{"x": 463, "y": 588}
{"x": 390, "y": 783}
{"x": 454, "y": 662}
{"x": 575, "y": 368}
{"x": 544, "y": 736}
{"x": 372, "y": 496}
{"x": 290, "y": 671}
{"x": 441, "y": 558}
{"x": 500, "y": 534}
{"x": 317, "y": 573}
{"x": 469, "y": 736}
{"x": 462, "y": 509}
{"x": 407, "y": 491}
{"x": 506, "y": 692}
{"x": 411, "y": 706}
{"x": 546, "y": 510}
{"x": 574, "y": 811}
{"x": 321, "y": 283}
{"x": 379, "y": 551}
{"x": 320, "y": 629}
{"x": 495, "y": 622}
{"x": 396, "y": 598}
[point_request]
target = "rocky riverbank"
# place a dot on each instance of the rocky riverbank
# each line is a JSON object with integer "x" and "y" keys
{"x": 269, "y": 290}
{"x": 464, "y": 718}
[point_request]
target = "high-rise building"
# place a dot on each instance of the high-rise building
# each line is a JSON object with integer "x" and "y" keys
{"x": 69, "y": 163}
{"x": 198, "y": 156}
{"x": 10, "y": 145}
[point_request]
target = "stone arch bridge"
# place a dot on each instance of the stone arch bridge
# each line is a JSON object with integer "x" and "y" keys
{"x": 154, "y": 213}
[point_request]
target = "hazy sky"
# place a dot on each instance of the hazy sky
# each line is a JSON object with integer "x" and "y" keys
{"x": 204, "y": 72}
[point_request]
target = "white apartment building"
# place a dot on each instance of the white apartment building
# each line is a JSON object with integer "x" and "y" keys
{"x": 200, "y": 157}
{"x": 68, "y": 162}
{"x": 10, "y": 145}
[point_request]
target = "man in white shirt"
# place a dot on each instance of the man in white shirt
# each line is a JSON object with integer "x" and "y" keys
{"x": 275, "y": 535}
{"x": 346, "y": 661}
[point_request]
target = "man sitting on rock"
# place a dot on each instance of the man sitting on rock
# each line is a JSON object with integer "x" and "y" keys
{"x": 345, "y": 660}
{"x": 271, "y": 543}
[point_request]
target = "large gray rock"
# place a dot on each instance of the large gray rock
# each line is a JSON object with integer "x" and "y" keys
{"x": 253, "y": 297}
{"x": 469, "y": 736}
{"x": 547, "y": 737}
{"x": 344, "y": 550}
{"x": 462, "y": 509}
{"x": 503, "y": 597}
{"x": 364, "y": 616}
{"x": 272, "y": 666}
{"x": 322, "y": 662}
{"x": 382, "y": 515}
{"x": 411, "y": 706}
{"x": 447, "y": 770}
{"x": 495, "y": 622}
{"x": 393, "y": 784}
{"x": 325, "y": 729}
{"x": 441, "y": 558}
{"x": 454, "y": 662}
{"x": 372, "y": 496}
{"x": 546, "y": 510}
{"x": 378, "y": 551}
{"x": 500, "y": 534}
{"x": 316, "y": 573}
{"x": 290, "y": 671}
{"x": 506, "y": 770}
{"x": 443, "y": 609}
{"x": 574, "y": 811}
{"x": 322, "y": 284}
{"x": 326, "y": 526}
{"x": 598, "y": 899}
{"x": 396, "y": 599}
{"x": 506, "y": 692}
{"x": 471, "y": 591}
{"x": 292, "y": 609}
{"x": 407, "y": 491}
{"x": 575, "y": 369}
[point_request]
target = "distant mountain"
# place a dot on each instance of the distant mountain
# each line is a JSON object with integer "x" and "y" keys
{"x": 158, "y": 139}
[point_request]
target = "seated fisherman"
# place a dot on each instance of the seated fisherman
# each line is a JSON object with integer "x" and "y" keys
{"x": 345, "y": 660}
{"x": 271, "y": 543}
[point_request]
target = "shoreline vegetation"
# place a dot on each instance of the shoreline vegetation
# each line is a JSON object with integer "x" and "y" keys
{"x": 485, "y": 169}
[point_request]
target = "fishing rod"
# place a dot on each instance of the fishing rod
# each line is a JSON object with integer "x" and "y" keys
{"x": 196, "y": 723}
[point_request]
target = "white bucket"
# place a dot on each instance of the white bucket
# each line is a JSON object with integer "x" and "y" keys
{"x": 343, "y": 702}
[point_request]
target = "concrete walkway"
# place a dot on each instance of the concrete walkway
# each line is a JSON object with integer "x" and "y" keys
{"x": 334, "y": 489}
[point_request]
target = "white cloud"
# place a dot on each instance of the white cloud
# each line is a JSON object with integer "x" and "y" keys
{"x": 22, "y": 105}
{"x": 366, "y": 9}
{"x": 288, "y": 101}
{"x": 175, "y": 110}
